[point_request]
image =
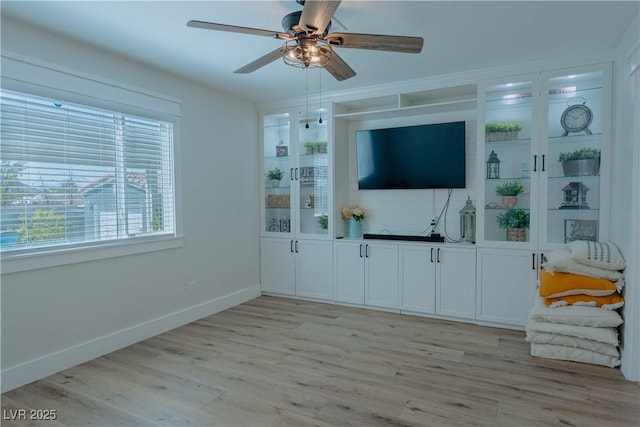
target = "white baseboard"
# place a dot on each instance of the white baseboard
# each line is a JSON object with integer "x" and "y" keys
{"x": 24, "y": 373}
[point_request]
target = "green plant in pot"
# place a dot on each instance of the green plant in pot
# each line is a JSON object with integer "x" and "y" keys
{"x": 585, "y": 161}
{"x": 516, "y": 222}
{"x": 509, "y": 192}
{"x": 323, "y": 221}
{"x": 503, "y": 131}
{"x": 275, "y": 175}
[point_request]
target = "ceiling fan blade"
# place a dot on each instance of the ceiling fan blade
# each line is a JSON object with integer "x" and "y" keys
{"x": 262, "y": 61}
{"x": 338, "y": 68}
{"x": 236, "y": 29}
{"x": 376, "y": 42}
{"x": 316, "y": 15}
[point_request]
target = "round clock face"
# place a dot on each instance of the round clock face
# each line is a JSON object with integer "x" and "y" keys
{"x": 576, "y": 118}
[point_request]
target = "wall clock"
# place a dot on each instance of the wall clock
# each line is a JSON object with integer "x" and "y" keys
{"x": 576, "y": 117}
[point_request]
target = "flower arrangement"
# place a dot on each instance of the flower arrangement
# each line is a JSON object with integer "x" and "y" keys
{"x": 353, "y": 212}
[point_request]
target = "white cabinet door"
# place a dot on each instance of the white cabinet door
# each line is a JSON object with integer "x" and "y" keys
{"x": 506, "y": 285}
{"x": 349, "y": 272}
{"x": 314, "y": 272}
{"x": 456, "y": 282}
{"x": 381, "y": 277}
{"x": 417, "y": 279}
{"x": 277, "y": 263}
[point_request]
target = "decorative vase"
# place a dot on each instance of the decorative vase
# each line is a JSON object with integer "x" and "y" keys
{"x": 275, "y": 183}
{"x": 509, "y": 202}
{"x": 353, "y": 229}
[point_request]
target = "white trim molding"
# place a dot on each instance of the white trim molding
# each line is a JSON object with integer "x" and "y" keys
{"x": 24, "y": 373}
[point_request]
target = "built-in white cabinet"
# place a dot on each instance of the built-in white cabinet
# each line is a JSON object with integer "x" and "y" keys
{"x": 300, "y": 267}
{"x": 349, "y": 272}
{"x": 366, "y": 273}
{"x": 296, "y": 175}
{"x": 296, "y": 183}
{"x": 507, "y": 282}
{"x": 277, "y": 265}
{"x": 438, "y": 280}
{"x": 544, "y": 136}
{"x": 527, "y": 130}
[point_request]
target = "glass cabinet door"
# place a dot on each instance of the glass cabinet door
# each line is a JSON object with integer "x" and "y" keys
{"x": 312, "y": 172}
{"x": 277, "y": 167}
{"x": 572, "y": 164}
{"x": 508, "y": 168}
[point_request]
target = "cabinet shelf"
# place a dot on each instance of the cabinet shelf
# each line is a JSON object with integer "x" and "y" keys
{"x": 413, "y": 110}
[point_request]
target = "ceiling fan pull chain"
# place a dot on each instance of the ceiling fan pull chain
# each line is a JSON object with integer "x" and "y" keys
{"x": 306, "y": 97}
{"x": 320, "y": 112}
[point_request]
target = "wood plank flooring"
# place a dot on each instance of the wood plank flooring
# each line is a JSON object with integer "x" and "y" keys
{"x": 281, "y": 362}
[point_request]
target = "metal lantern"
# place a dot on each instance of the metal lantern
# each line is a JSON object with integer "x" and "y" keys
{"x": 468, "y": 222}
{"x": 493, "y": 166}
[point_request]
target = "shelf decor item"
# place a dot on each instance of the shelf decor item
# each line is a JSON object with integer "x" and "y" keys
{"x": 580, "y": 229}
{"x": 501, "y": 131}
{"x": 493, "y": 166}
{"x": 282, "y": 150}
{"x": 509, "y": 192}
{"x": 354, "y": 217}
{"x": 468, "y": 222}
{"x": 576, "y": 117}
{"x": 516, "y": 222}
{"x": 574, "y": 196}
{"x": 275, "y": 175}
{"x": 323, "y": 222}
{"x": 582, "y": 162}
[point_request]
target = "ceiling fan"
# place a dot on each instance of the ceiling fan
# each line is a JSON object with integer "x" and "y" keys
{"x": 308, "y": 42}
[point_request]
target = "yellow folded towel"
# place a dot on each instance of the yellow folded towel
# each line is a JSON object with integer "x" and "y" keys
{"x": 563, "y": 284}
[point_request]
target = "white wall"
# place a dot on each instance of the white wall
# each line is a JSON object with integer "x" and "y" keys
{"x": 625, "y": 191}
{"x": 56, "y": 317}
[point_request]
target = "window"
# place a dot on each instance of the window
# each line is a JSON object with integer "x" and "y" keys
{"x": 76, "y": 175}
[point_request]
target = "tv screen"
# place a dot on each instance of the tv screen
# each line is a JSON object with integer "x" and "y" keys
{"x": 412, "y": 157}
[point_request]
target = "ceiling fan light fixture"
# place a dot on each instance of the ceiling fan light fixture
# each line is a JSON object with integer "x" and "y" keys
{"x": 307, "y": 53}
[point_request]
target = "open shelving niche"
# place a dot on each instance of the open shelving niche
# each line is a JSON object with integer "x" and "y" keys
{"x": 437, "y": 103}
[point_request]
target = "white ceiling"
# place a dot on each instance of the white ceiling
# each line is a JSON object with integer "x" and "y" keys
{"x": 458, "y": 36}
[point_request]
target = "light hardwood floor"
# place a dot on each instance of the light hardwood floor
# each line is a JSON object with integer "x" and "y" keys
{"x": 282, "y": 362}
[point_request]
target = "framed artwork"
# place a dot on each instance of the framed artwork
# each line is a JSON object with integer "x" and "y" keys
{"x": 580, "y": 229}
{"x": 282, "y": 151}
{"x": 306, "y": 174}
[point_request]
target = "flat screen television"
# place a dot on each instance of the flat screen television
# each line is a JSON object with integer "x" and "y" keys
{"x": 412, "y": 157}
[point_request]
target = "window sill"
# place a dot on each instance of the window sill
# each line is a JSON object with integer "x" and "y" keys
{"x": 13, "y": 263}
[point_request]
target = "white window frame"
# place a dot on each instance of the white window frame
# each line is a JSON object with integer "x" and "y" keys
{"x": 26, "y": 75}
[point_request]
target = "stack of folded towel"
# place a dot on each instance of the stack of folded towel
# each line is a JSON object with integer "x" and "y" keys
{"x": 575, "y": 317}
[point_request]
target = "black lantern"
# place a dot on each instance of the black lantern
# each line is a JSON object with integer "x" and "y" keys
{"x": 493, "y": 166}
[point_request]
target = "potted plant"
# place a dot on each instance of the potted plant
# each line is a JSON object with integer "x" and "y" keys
{"x": 275, "y": 175}
{"x": 323, "y": 221}
{"x": 320, "y": 146}
{"x": 310, "y": 147}
{"x": 516, "y": 222}
{"x": 585, "y": 161}
{"x": 509, "y": 192}
{"x": 504, "y": 131}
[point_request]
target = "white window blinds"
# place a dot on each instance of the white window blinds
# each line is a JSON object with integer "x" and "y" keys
{"x": 73, "y": 174}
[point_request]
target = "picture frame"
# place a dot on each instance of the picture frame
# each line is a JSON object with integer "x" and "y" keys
{"x": 580, "y": 229}
{"x": 282, "y": 151}
{"x": 306, "y": 174}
